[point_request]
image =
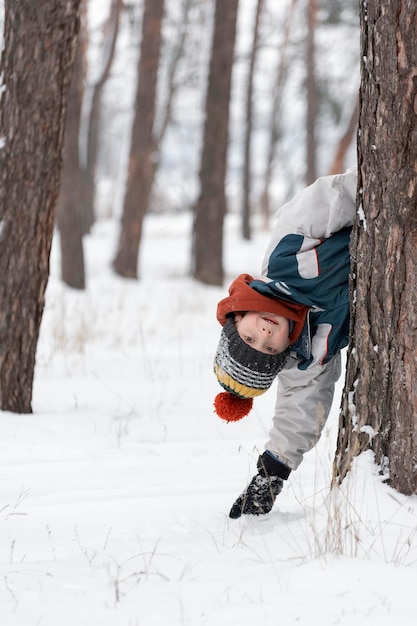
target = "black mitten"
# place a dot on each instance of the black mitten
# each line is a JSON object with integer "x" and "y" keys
{"x": 259, "y": 496}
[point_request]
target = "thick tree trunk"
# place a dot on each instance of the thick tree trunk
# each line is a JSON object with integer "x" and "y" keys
{"x": 140, "y": 173}
{"x": 36, "y": 65}
{"x": 379, "y": 410}
{"x": 211, "y": 205}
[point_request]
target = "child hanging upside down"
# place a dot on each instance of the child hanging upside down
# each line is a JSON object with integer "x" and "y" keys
{"x": 291, "y": 323}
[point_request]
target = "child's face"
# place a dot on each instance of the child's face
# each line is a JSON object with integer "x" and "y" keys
{"x": 265, "y": 332}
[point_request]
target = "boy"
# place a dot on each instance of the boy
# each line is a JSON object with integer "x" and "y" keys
{"x": 290, "y": 323}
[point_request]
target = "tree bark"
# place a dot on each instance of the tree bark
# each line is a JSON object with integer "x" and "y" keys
{"x": 379, "y": 406}
{"x": 210, "y": 209}
{"x": 36, "y": 67}
{"x": 140, "y": 173}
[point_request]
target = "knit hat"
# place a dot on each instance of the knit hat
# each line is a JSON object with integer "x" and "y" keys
{"x": 243, "y": 372}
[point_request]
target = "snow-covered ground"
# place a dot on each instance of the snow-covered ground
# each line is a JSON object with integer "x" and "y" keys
{"x": 115, "y": 492}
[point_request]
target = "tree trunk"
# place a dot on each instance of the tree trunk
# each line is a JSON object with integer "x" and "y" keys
{"x": 173, "y": 84}
{"x": 89, "y": 167}
{"x": 70, "y": 198}
{"x": 275, "y": 124}
{"x": 36, "y": 68}
{"x": 311, "y": 92}
{"x": 379, "y": 407}
{"x": 210, "y": 209}
{"x": 338, "y": 166}
{"x": 140, "y": 172}
{"x": 246, "y": 210}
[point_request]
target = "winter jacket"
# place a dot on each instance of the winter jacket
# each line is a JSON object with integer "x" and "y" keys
{"x": 308, "y": 262}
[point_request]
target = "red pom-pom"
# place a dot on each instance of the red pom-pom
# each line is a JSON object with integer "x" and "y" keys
{"x": 230, "y": 407}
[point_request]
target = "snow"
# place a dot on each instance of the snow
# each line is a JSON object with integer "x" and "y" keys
{"x": 362, "y": 217}
{"x": 115, "y": 492}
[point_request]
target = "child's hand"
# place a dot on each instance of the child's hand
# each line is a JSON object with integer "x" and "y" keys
{"x": 258, "y": 497}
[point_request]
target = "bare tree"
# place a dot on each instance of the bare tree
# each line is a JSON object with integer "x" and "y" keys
{"x": 36, "y": 66}
{"x": 311, "y": 173}
{"x": 210, "y": 209}
{"x": 70, "y": 197}
{"x": 246, "y": 209}
{"x": 274, "y": 127}
{"x": 140, "y": 174}
{"x": 338, "y": 165}
{"x": 172, "y": 82}
{"x": 89, "y": 167}
{"x": 379, "y": 406}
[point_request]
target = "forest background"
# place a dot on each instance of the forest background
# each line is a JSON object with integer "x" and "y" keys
{"x": 281, "y": 56}
{"x": 115, "y": 491}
